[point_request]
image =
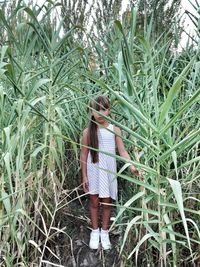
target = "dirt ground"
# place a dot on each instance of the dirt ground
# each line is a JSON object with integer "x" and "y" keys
{"x": 72, "y": 248}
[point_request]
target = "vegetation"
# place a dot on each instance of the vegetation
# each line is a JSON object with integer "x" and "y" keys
{"x": 46, "y": 81}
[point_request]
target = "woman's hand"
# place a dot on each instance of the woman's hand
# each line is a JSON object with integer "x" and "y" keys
{"x": 136, "y": 172}
{"x": 85, "y": 184}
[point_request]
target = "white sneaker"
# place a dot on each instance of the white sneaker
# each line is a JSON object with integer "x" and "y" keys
{"x": 105, "y": 240}
{"x": 94, "y": 239}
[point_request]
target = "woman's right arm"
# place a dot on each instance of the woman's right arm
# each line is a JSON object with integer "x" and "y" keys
{"x": 84, "y": 155}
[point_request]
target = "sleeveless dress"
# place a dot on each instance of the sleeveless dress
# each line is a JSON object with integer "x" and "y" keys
{"x": 102, "y": 175}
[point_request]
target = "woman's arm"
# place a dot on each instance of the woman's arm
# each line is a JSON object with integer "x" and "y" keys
{"x": 84, "y": 155}
{"x": 122, "y": 151}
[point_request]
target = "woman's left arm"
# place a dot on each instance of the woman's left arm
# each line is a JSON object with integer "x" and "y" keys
{"x": 122, "y": 151}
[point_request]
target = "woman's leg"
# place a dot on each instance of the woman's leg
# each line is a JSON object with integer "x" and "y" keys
{"x": 94, "y": 214}
{"x": 106, "y": 212}
{"x": 104, "y": 234}
{"x": 94, "y": 210}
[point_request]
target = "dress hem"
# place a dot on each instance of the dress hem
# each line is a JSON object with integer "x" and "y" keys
{"x": 102, "y": 196}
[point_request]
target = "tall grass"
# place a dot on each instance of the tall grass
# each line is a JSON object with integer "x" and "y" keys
{"x": 37, "y": 110}
{"x": 45, "y": 85}
{"x": 158, "y": 94}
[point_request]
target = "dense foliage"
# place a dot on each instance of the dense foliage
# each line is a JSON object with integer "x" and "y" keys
{"x": 46, "y": 80}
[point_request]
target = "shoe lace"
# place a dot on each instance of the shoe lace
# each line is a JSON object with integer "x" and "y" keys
{"x": 95, "y": 236}
{"x": 105, "y": 238}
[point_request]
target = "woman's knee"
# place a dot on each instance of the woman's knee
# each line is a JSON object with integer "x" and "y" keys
{"x": 94, "y": 201}
{"x": 106, "y": 203}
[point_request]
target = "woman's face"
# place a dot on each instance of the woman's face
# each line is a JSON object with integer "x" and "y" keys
{"x": 98, "y": 115}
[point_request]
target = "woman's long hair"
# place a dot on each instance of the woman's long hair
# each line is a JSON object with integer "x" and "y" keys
{"x": 96, "y": 104}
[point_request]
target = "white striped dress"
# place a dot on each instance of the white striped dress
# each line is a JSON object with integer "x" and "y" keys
{"x": 101, "y": 175}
